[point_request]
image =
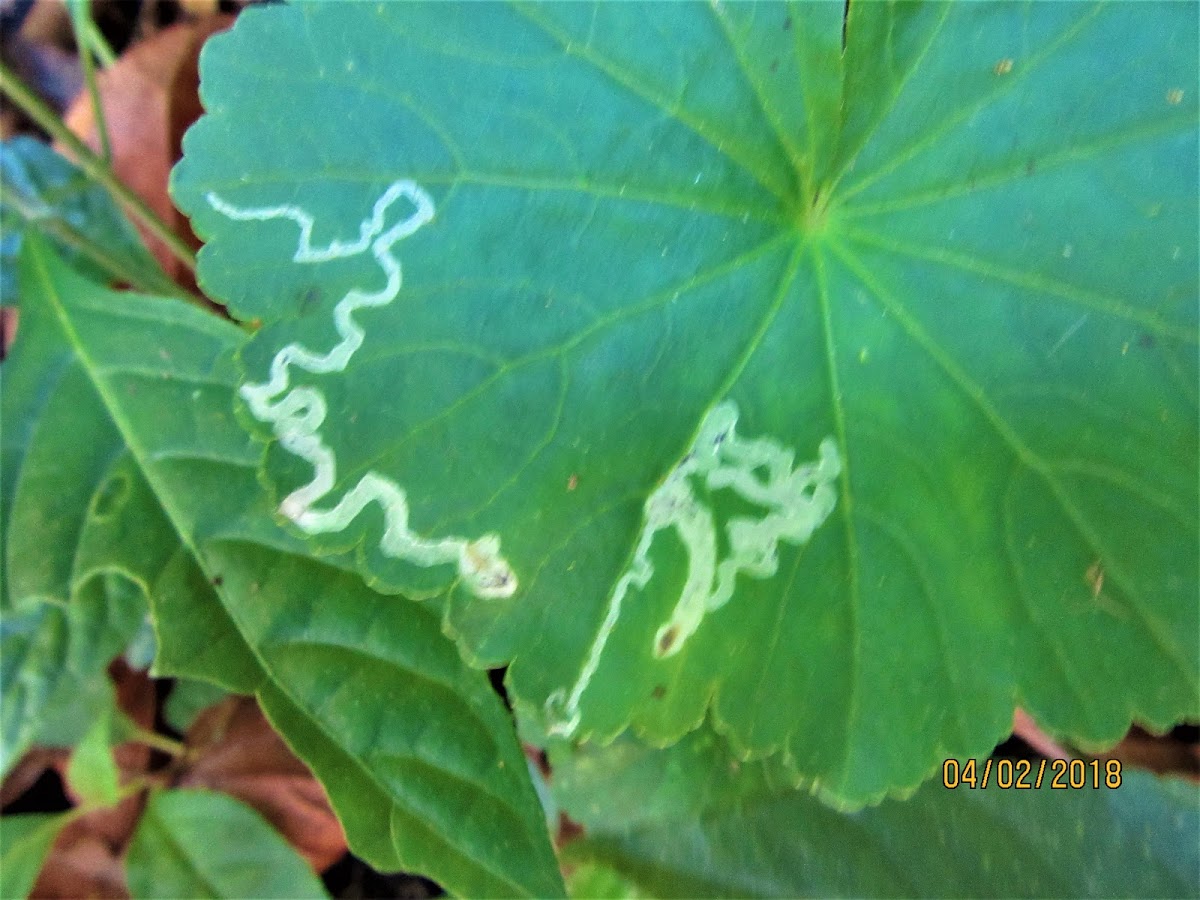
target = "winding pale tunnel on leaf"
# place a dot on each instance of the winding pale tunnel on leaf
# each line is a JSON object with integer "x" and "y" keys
{"x": 296, "y": 414}
{"x": 758, "y": 470}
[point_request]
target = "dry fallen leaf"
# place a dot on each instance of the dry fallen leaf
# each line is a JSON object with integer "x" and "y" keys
{"x": 241, "y": 755}
{"x": 150, "y": 97}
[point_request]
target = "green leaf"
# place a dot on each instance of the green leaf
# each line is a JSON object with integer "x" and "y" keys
{"x": 188, "y": 698}
{"x": 92, "y": 771}
{"x": 693, "y": 822}
{"x": 84, "y": 539}
{"x": 24, "y": 842}
{"x": 417, "y": 753}
{"x": 41, "y": 190}
{"x": 203, "y": 844}
{"x": 943, "y": 284}
{"x": 591, "y": 881}
{"x": 53, "y": 661}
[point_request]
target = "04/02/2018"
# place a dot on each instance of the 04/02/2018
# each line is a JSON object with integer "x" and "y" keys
{"x": 1024, "y": 774}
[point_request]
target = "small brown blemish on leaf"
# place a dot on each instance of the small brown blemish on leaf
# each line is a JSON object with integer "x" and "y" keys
{"x": 1030, "y": 166}
{"x": 1146, "y": 341}
{"x": 667, "y": 641}
{"x": 1175, "y": 96}
{"x": 1003, "y": 67}
{"x": 572, "y": 482}
{"x": 1095, "y": 578}
{"x": 659, "y": 692}
{"x": 774, "y": 65}
{"x": 218, "y": 581}
{"x": 787, "y": 24}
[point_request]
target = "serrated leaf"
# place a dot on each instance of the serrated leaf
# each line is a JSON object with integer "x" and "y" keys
{"x": 24, "y": 842}
{"x": 851, "y": 395}
{"x": 417, "y": 753}
{"x": 92, "y": 770}
{"x": 203, "y": 844}
{"x": 691, "y": 821}
{"x": 42, "y": 191}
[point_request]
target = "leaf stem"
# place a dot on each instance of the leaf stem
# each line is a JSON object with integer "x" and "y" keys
{"x": 98, "y": 45}
{"x": 154, "y": 740}
{"x": 93, "y": 165}
{"x": 81, "y": 16}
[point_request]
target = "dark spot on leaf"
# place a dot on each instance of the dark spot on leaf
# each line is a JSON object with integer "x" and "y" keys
{"x": 667, "y": 641}
{"x": 308, "y": 300}
{"x": 787, "y": 24}
{"x": 774, "y": 65}
{"x": 1146, "y": 340}
{"x": 218, "y": 581}
{"x": 1030, "y": 166}
{"x": 659, "y": 692}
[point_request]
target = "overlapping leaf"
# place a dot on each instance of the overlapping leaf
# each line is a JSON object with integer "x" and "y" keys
{"x": 543, "y": 255}
{"x": 25, "y": 839}
{"x": 691, "y": 822}
{"x": 40, "y": 190}
{"x": 177, "y": 852}
{"x": 417, "y": 753}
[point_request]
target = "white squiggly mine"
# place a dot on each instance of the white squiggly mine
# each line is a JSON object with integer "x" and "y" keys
{"x": 296, "y": 414}
{"x": 759, "y": 470}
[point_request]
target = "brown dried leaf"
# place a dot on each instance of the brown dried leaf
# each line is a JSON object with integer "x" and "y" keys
{"x": 150, "y": 97}
{"x": 240, "y": 754}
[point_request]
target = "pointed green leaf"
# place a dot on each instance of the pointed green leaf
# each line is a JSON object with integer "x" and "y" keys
{"x": 24, "y": 842}
{"x": 417, "y": 753}
{"x": 852, "y": 395}
{"x": 203, "y": 844}
{"x": 693, "y": 822}
{"x": 92, "y": 771}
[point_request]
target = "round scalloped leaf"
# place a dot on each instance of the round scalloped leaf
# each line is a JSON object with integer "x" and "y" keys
{"x": 848, "y": 393}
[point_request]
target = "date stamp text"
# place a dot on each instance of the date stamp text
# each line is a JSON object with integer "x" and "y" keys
{"x": 1024, "y": 774}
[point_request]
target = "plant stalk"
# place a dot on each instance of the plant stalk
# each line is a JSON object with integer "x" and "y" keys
{"x": 81, "y": 17}
{"x": 155, "y": 740}
{"x": 146, "y": 280}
